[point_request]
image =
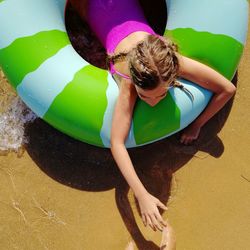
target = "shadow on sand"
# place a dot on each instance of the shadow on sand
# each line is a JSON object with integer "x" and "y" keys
{"x": 90, "y": 168}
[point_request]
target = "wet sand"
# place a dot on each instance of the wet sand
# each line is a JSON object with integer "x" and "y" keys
{"x": 59, "y": 193}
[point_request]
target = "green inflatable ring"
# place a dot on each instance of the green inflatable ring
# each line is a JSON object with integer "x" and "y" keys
{"x": 78, "y": 98}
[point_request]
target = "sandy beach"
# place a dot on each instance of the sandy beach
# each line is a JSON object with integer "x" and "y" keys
{"x": 58, "y": 193}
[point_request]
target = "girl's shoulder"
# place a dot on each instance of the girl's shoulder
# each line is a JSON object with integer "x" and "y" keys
{"x": 127, "y": 87}
{"x": 127, "y": 94}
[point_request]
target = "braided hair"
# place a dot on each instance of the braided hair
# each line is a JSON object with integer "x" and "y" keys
{"x": 151, "y": 62}
{"x": 116, "y": 58}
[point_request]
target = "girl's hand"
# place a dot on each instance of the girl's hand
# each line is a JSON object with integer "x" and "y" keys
{"x": 190, "y": 134}
{"x": 150, "y": 213}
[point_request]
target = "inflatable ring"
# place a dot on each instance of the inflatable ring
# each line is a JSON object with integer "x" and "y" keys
{"x": 78, "y": 98}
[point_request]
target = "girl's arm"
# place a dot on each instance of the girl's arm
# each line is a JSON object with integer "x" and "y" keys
{"x": 121, "y": 122}
{"x": 210, "y": 79}
{"x": 120, "y": 127}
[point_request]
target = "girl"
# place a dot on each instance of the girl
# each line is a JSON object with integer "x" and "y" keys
{"x": 145, "y": 65}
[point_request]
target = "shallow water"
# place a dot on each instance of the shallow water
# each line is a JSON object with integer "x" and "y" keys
{"x": 14, "y": 114}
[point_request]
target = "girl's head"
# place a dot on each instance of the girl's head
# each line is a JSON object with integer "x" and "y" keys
{"x": 153, "y": 67}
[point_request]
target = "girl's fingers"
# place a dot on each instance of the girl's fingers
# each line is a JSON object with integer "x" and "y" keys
{"x": 144, "y": 220}
{"x": 150, "y": 223}
{"x": 155, "y": 222}
{"x": 159, "y": 218}
{"x": 157, "y": 214}
{"x": 182, "y": 139}
{"x": 161, "y": 205}
{"x": 187, "y": 141}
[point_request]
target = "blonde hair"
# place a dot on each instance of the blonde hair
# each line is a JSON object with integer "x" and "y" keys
{"x": 151, "y": 62}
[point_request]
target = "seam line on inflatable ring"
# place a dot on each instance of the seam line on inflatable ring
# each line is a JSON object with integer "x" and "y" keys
{"x": 29, "y": 21}
{"x": 44, "y": 83}
{"x": 26, "y": 54}
{"x": 218, "y": 51}
{"x": 83, "y": 103}
{"x": 212, "y": 10}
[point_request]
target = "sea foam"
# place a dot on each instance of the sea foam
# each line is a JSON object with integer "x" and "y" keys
{"x": 12, "y": 125}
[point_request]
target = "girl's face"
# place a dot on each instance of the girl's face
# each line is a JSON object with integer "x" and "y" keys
{"x": 152, "y": 97}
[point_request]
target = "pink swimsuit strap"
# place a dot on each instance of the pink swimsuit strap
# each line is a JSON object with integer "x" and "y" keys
{"x": 113, "y": 71}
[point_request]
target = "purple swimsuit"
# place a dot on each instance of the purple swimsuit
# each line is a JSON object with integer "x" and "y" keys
{"x": 113, "y": 20}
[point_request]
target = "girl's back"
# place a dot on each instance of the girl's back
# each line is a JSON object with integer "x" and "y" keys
{"x": 113, "y": 20}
